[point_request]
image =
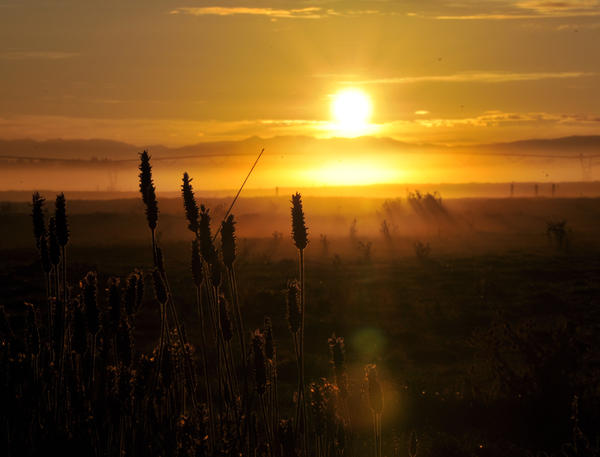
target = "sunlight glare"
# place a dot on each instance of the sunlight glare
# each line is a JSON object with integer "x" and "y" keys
{"x": 351, "y": 110}
{"x": 353, "y": 173}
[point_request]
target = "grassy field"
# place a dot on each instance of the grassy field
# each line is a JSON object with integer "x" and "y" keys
{"x": 482, "y": 343}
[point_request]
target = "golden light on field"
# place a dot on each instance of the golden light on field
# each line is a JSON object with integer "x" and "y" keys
{"x": 351, "y": 110}
{"x": 356, "y": 172}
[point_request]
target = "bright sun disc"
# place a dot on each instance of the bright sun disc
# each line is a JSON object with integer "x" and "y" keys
{"x": 351, "y": 110}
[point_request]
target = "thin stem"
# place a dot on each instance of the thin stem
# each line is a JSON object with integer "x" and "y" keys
{"x": 205, "y": 365}
{"x": 301, "y": 346}
{"x": 238, "y": 193}
{"x": 64, "y": 272}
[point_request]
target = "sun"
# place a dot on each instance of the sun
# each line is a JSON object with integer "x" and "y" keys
{"x": 351, "y": 110}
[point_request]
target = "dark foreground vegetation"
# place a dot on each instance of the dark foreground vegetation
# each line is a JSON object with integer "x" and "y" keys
{"x": 210, "y": 351}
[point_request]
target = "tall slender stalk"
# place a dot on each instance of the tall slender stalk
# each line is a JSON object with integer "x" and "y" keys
{"x": 205, "y": 363}
{"x": 300, "y": 237}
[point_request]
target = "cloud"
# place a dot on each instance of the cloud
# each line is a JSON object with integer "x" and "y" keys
{"x": 490, "y": 126}
{"x": 37, "y": 55}
{"x": 494, "y": 118}
{"x": 309, "y": 12}
{"x": 533, "y": 9}
{"x": 560, "y": 7}
{"x": 475, "y": 77}
{"x": 577, "y": 27}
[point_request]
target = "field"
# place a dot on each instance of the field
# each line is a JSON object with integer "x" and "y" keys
{"x": 481, "y": 323}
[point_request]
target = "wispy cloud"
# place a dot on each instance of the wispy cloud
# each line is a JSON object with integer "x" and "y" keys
{"x": 494, "y": 118}
{"x": 577, "y": 27}
{"x": 475, "y": 77}
{"x": 489, "y": 126}
{"x": 309, "y": 12}
{"x": 533, "y": 9}
{"x": 37, "y": 55}
{"x": 496, "y": 17}
{"x": 560, "y": 7}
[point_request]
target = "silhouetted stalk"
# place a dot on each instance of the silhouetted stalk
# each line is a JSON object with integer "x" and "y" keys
{"x": 154, "y": 256}
{"x": 186, "y": 357}
{"x": 48, "y": 295}
{"x": 376, "y": 403}
{"x": 301, "y": 346}
{"x": 62, "y": 236}
{"x": 300, "y": 237}
{"x": 271, "y": 356}
{"x": 228, "y": 381}
{"x": 239, "y": 326}
{"x": 275, "y": 398}
{"x": 64, "y": 272}
{"x": 161, "y": 297}
{"x": 205, "y": 364}
{"x": 208, "y": 289}
{"x": 261, "y": 398}
{"x": 295, "y": 341}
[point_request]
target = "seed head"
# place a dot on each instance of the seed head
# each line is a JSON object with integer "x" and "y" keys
{"x": 60, "y": 214}
{"x": 189, "y": 203}
{"x": 160, "y": 290}
{"x": 269, "y": 343}
{"x": 259, "y": 362}
{"x": 207, "y": 248}
{"x": 318, "y": 405}
{"x": 53, "y": 247}
{"x": 37, "y": 215}
{"x": 299, "y": 232}
{"x": 131, "y": 291}
{"x": 293, "y": 306}
{"x": 228, "y": 241}
{"x": 338, "y": 360}
{"x": 216, "y": 271}
{"x": 147, "y": 190}
{"x": 45, "y": 254}
{"x": 197, "y": 271}
{"x": 225, "y": 319}
{"x": 90, "y": 299}
{"x": 79, "y": 336}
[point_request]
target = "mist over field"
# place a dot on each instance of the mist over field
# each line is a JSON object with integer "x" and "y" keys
{"x": 330, "y": 165}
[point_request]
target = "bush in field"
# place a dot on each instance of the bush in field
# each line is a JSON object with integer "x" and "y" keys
{"x": 386, "y": 233}
{"x": 558, "y": 234}
{"x": 429, "y": 206}
{"x": 422, "y": 250}
{"x": 324, "y": 245}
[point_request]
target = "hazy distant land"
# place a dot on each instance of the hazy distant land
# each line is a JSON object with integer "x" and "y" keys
{"x": 320, "y": 166}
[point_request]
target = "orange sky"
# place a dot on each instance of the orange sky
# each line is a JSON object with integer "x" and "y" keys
{"x": 181, "y": 72}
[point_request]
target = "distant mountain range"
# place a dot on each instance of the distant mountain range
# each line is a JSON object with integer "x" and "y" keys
{"x": 98, "y": 149}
